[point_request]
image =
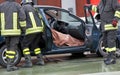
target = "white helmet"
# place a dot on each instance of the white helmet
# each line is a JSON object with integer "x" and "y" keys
{"x": 26, "y": 1}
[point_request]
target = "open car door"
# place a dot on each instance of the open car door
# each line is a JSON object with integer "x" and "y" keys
{"x": 92, "y": 29}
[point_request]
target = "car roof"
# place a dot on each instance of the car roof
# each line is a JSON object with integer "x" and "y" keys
{"x": 49, "y": 7}
{"x": 46, "y": 6}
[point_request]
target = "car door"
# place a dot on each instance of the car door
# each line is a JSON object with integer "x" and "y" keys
{"x": 74, "y": 24}
{"x": 92, "y": 29}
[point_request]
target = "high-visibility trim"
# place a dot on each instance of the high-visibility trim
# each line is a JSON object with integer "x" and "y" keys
{"x": 94, "y": 8}
{"x": 110, "y": 49}
{"x": 23, "y": 23}
{"x": 2, "y": 21}
{"x": 32, "y": 19}
{"x": 11, "y": 52}
{"x": 15, "y": 20}
{"x": 37, "y": 51}
{"x": 117, "y": 14}
{"x": 13, "y": 31}
{"x": 10, "y": 32}
{"x": 26, "y": 51}
{"x": 34, "y": 30}
{"x": 9, "y": 56}
{"x": 110, "y": 27}
{"x": 41, "y": 21}
{"x": 40, "y": 16}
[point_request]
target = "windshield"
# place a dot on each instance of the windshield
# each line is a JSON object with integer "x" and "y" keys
{"x": 62, "y": 15}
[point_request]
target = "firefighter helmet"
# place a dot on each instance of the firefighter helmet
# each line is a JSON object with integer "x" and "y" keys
{"x": 26, "y": 1}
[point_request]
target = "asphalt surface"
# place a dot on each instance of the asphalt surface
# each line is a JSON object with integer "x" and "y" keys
{"x": 65, "y": 65}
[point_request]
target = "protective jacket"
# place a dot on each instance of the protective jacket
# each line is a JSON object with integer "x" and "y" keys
{"x": 34, "y": 22}
{"x": 108, "y": 10}
{"x": 13, "y": 19}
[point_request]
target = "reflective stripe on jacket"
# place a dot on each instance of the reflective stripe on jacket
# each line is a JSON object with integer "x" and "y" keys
{"x": 12, "y": 18}
{"x": 110, "y": 27}
{"x": 33, "y": 20}
{"x": 117, "y": 14}
{"x": 94, "y": 8}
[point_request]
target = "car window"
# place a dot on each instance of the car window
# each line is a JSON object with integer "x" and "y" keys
{"x": 65, "y": 22}
{"x": 62, "y": 15}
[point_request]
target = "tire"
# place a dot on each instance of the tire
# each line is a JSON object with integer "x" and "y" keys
{"x": 118, "y": 53}
{"x": 3, "y": 60}
{"x": 99, "y": 54}
{"x": 101, "y": 48}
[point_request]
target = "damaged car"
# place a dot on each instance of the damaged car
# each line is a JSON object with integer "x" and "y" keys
{"x": 63, "y": 33}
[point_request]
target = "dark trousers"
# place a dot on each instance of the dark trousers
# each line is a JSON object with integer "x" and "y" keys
{"x": 31, "y": 40}
{"x": 12, "y": 43}
{"x": 109, "y": 39}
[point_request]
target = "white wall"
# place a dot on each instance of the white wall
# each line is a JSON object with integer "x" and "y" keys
{"x": 69, "y": 5}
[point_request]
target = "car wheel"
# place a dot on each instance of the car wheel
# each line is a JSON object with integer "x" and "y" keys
{"x": 118, "y": 48}
{"x": 98, "y": 54}
{"x": 101, "y": 48}
{"x": 3, "y": 59}
{"x": 118, "y": 53}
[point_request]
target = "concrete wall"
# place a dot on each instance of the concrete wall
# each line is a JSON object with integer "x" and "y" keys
{"x": 69, "y": 5}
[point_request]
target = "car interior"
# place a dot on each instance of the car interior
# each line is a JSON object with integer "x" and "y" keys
{"x": 64, "y": 25}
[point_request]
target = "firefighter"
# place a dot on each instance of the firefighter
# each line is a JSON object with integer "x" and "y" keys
{"x": 12, "y": 21}
{"x": 109, "y": 11}
{"x": 33, "y": 33}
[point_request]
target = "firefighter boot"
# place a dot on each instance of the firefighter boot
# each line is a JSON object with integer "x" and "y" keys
{"x": 28, "y": 62}
{"x": 40, "y": 60}
{"x": 10, "y": 66}
{"x": 110, "y": 59}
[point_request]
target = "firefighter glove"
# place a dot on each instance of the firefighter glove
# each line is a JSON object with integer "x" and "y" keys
{"x": 114, "y": 22}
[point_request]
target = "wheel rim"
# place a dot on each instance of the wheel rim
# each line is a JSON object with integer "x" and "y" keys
{"x": 4, "y": 57}
{"x": 102, "y": 48}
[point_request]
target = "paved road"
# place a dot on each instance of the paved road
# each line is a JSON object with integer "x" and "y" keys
{"x": 64, "y": 65}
